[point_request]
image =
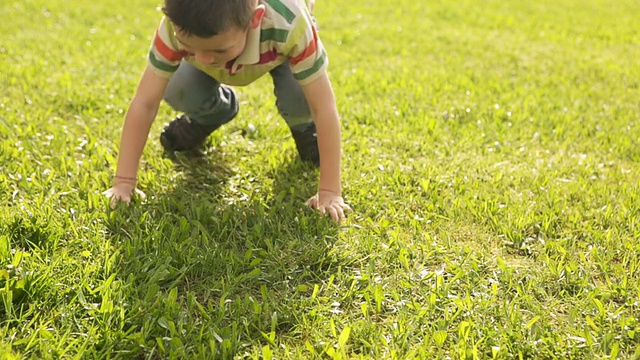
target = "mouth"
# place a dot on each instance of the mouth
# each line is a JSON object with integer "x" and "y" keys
{"x": 212, "y": 64}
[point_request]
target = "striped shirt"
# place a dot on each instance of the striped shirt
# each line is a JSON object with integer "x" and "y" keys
{"x": 286, "y": 33}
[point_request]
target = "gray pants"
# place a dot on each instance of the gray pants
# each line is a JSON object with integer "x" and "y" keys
{"x": 206, "y": 101}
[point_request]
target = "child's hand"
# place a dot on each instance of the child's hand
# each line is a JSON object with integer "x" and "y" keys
{"x": 331, "y": 202}
{"x": 122, "y": 191}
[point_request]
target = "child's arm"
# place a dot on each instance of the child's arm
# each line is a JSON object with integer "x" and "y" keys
{"x": 319, "y": 95}
{"x": 142, "y": 111}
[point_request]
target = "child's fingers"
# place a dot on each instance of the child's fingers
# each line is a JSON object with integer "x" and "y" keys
{"x": 312, "y": 202}
{"x": 341, "y": 213}
{"x": 141, "y": 194}
{"x": 333, "y": 212}
{"x": 113, "y": 201}
{"x": 114, "y": 197}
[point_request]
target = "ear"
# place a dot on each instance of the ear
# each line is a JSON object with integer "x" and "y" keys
{"x": 258, "y": 14}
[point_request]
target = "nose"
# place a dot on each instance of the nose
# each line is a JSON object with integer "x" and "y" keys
{"x": 204, "y": 58}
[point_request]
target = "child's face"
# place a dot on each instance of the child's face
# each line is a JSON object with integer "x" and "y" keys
{"x": 216, "y": 50}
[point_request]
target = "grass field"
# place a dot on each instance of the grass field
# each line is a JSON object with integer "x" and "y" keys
{"x": 491, "y": 156}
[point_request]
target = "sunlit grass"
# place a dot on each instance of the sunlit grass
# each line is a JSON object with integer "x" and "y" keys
{"x": 491, "y": 156}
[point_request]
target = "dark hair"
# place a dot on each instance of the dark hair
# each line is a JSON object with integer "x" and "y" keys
{"x": 206, "y": 18}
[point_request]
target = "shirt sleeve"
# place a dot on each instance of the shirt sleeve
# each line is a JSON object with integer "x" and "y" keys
{"x": 306, "y": 54}
{"x": 310, "y": 5}
{"x": 165, "y": 56}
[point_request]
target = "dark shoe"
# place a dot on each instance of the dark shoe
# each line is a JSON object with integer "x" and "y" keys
{"x": 307, "y": 143}
{"x": 184, "y": 134}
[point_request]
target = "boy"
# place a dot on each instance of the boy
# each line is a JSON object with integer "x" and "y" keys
{"x": 202, "y": 44}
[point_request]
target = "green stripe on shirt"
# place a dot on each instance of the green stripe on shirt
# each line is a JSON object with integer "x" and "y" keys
{"x": 282, "y": 9}
{"x": 161, "y": 65}
{"x": 279, "y": 35}
{"x": 316, "y": 66}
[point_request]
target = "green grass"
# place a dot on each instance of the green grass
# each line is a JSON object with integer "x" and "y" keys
{"x": 491, "y": 155}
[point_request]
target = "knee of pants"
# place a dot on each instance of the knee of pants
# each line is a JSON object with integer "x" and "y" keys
{"x": 180, "y": 99}
{"x": 218, "y": 106}
{"x": 294, "y": 110}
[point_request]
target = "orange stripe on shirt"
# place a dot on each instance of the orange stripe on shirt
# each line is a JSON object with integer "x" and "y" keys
{"x": 310, "y": 50}
{"x": 166, "y": 51}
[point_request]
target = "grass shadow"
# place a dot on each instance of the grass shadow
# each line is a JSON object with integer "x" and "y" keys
{"x": 212, "y": 273}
